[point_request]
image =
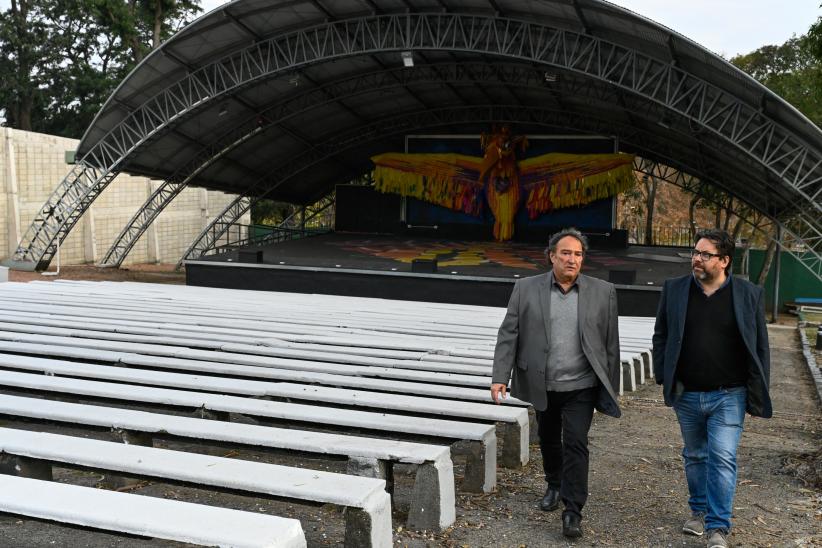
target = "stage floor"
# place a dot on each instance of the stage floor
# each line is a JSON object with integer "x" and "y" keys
{"x": 372, "y": 252}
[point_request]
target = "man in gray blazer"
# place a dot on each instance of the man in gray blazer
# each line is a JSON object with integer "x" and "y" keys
{"x": 560, "y": 338}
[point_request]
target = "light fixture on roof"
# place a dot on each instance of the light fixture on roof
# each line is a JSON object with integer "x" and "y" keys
{"x": 223, "y": 110}
{"x": 550, "y": 77}
{"x": 665, "y": 121}
{"x": 407, "y": 59}
{"x": 294, "y": 80}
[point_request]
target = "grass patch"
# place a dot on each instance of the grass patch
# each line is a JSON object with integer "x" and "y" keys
{"x": 815, "y": 317}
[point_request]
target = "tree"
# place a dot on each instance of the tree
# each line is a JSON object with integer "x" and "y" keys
{"x": 815, "y": 39}
{"x": 649, "y": 184}
{"x": 23, "y": 47}
{"x": 142, "y": 25}
{"x": 792, "y": 70}
{"x": 61, "y": 59}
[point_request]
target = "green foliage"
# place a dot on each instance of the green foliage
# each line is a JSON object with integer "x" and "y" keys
{"x": 791, "y": 70}
{"x": 269, "y": 212}
{"x": 815, "y": 38}
{"x": 61, "y": 59}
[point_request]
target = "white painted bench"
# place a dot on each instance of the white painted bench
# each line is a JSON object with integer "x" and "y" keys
{"x": 150, "y": 351}
{"x": 368, "y": 506}
{"x": 432, "y": 499}
{"x": 146, "y": 516}
{"x": 268, "y": 373}
{"x": 477, "y": 442}
{"x": 249, "y": 319}
{"x": 253, "y": 355}
{"x": 215, "y": 338}
{"x": 513, "y": 421}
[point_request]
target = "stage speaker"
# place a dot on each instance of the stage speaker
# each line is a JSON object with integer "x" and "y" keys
{"x": 249, "y": 256}
{"x": 424, "y": 266}
{"x": 622, "y": 277}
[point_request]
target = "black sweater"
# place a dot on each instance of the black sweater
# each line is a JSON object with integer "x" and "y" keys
{"x": 713, "y": 353}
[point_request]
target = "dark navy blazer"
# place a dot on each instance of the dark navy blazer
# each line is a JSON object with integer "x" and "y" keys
{"x": 749, "y": 309}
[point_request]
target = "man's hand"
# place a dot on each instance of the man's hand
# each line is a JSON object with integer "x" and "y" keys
{"x": 497, "y": 392}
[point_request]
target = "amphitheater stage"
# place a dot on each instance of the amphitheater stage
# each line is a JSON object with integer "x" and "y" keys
{"x": 392, "y": 267}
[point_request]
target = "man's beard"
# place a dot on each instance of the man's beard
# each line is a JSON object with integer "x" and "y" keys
{"x": 703, "y": 275}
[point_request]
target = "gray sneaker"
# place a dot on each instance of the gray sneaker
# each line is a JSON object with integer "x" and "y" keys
{"x": 717, "y": 538}
{"x": 695, "y": 524}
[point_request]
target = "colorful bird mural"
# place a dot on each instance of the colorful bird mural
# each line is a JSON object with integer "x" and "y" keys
{"x": 458, "y": 181}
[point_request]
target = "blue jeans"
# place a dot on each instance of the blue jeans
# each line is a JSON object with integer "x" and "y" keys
{"x": 711, "y": 425}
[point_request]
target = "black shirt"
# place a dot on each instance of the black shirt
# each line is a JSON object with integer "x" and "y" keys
{"x": 713, "y": 353}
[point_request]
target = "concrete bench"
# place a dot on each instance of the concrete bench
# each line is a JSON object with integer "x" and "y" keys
{"x": 645, "y": 356}
{"x": 367, "y": 505}
{"x": 146, "y": 516}
{"x": 358, "y": 308}
{"x": 513, "y": 422}
{"x": 216, "y": 337}
{"x": 152, "y": 350}
{"x": 468, "y": 374}
{"x": 351, "y": 380}
{"x": 432, "y": 498}
{"x": 476, "y": 442}
{"x": 247, "y": 318}
{"x": 144, "y": 343}
{"x": 627, "y": 377}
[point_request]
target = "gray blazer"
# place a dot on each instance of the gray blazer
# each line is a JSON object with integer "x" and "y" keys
{"x": 524, "y": 338}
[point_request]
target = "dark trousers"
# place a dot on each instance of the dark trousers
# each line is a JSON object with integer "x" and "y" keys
{"x": 563, "y": 441}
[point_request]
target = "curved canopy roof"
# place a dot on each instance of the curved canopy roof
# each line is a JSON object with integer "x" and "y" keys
{"x": 285, "y": 98}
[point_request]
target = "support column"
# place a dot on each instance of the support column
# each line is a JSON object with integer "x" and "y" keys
{"x": 89, "y": 237}
{"x": 12, "y": 196}
{"x": 25, "y": 467}
{"x": 777, "y": 274}
{"x": 153, "y": 255}
{"x": 128, "y": 437}
{"x": 203, "y": 206}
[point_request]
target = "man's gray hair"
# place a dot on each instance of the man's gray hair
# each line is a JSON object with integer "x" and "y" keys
{"x": 573, "y": 232}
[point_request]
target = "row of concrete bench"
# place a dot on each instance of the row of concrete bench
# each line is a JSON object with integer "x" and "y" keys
{"x": 346, "y": 361}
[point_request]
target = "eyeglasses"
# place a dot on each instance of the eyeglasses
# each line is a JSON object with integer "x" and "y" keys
{"x": 704, "y": 256}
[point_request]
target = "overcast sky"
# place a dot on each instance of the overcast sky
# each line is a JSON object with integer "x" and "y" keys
{"x": 726, "y": 27}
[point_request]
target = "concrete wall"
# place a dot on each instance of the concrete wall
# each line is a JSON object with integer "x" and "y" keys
{"x": 33, "y": 164}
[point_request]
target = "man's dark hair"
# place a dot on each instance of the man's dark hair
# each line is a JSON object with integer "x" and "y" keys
{"x": 573, "y": 232}
{"x": 722, "y": 240}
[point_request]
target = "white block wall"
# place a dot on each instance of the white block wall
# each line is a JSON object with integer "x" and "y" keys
{"x": 33, "y": 164}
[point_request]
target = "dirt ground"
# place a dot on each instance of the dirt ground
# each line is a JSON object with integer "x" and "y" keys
{"x": 150, "y": 273}
{"x": 637, "y": 485}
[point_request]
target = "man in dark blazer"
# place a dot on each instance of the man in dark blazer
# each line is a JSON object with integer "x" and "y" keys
{"x": 560, "y": 338}
{"x": 710, "y": 351}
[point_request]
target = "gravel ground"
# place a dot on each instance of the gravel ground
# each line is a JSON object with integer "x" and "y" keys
{"x": 638, "y": 492}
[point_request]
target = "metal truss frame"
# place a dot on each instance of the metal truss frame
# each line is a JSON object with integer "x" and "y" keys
{"x": 793, "y": 230}
{"x": 397, "y": 125}
{"x": 669, "y": 169}
{"x": 279, "y": 112}
{"x": 306, "y": 213}
{"x": 784, "y": 155}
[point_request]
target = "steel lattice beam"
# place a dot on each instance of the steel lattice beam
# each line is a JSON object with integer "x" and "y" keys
{"x": 259, "y": 189}
{"x": 746, "y": 127}
{"x": 675, "y": 171}
{"x": 795, "y": 229}
{"x": 334, "y": 92}
{"x": 780, "y": 152}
